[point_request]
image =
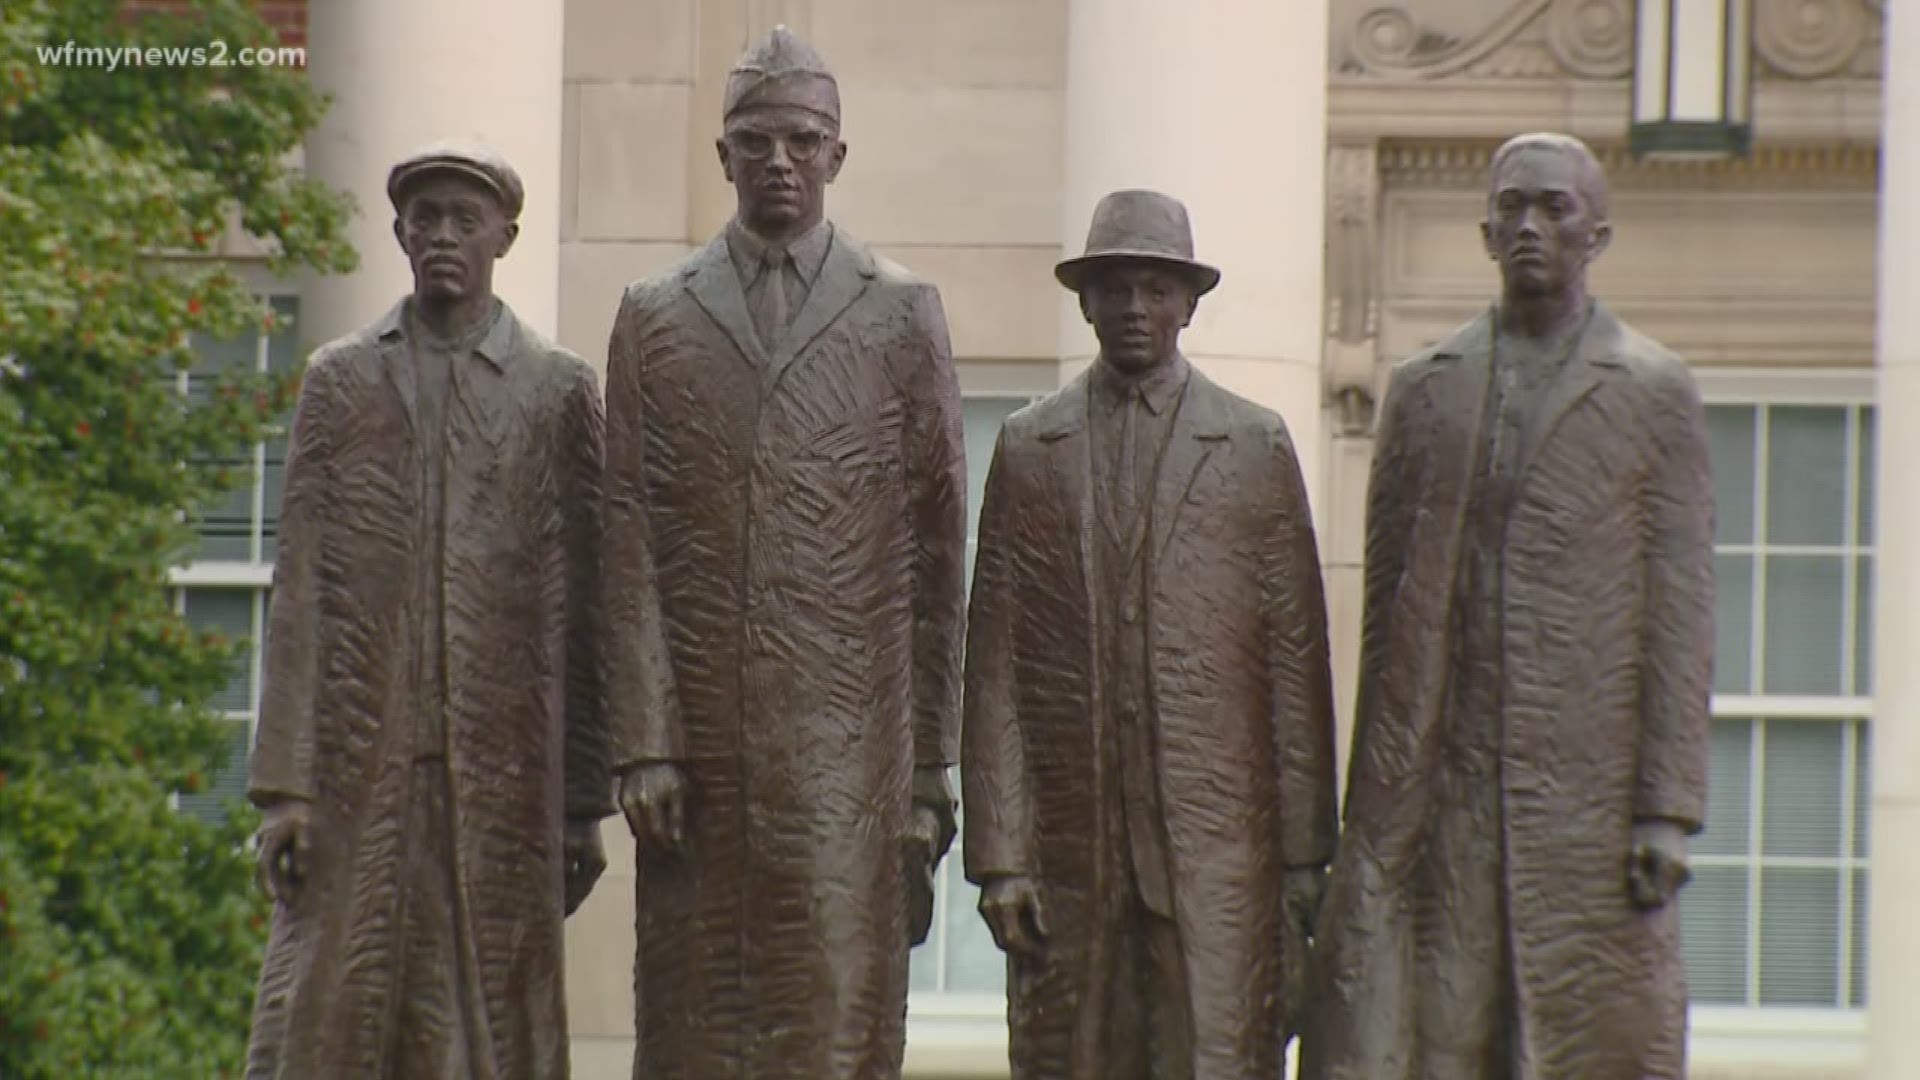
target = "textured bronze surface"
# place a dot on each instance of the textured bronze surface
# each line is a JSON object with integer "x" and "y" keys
{"x": 786, "y": 542}
{"x": 432, "y": 751}
{"x": 1531, "y": 742}
{"x": 1148, "y": 754}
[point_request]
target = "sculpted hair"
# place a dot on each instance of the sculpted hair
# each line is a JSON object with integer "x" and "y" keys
{"x": 1593, "y": 179}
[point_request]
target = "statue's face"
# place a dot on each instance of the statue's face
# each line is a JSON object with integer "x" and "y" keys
{"x": 1137, "y": 310}
{"x": 780, "y": 159}
{"x": 1542, "y": 227}
{"x": 452, "y": 228}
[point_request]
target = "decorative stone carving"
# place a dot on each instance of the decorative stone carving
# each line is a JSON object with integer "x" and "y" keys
{"x": 1810, "y": 39}
{"x": 1592, "y": 39}
{"x": 1353, "y": 210}
{"x": 1390, "y": 41}
{"x": 1582, "y": 39}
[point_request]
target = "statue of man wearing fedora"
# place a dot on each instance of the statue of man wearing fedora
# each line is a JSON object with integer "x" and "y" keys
{"x": 784, "y": 437}
{"x": 1148, "y": 746}
{"x": 431, "y": 758}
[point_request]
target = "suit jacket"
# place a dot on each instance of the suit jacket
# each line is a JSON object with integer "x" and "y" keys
{"x": 1607, "y": 625}
{"x": 1243, "y": 713}
{"x": 798, "y": 652}
{"x": 525, "y": 735}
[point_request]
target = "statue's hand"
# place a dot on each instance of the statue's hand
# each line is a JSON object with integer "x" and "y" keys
{"x": 1011, "y": 905}
{"x": 282, "y": 847}
{"x": 585, "y": 858}
{"x": 1658, "y": 865}
{"x": 653, "y": 796}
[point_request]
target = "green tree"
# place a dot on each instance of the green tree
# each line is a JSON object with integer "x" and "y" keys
{"x": 130, "y": 933}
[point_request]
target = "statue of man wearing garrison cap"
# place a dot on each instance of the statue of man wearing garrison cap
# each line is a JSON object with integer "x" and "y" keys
{"x": 431, "y": 759}
{"x": 1530, "y": 745}
{"x": 784, "y": 444}
{"x": 1147, "y": 752}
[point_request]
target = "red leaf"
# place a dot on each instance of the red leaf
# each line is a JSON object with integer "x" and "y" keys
{"x": 82, "y": 429}
{"x": 194, "y": 306}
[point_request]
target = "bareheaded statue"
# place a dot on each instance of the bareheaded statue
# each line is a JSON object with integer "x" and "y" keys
{"x": 1530, "y": 749}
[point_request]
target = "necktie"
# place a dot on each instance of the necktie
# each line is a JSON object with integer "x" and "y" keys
{"x": 770, "y": 300}
{"x": 1126, "y": 480}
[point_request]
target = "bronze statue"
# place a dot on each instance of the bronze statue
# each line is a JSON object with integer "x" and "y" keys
{"x": 785, "y": 443}
{"x": 431, "y": 756}
{"x": 1530, "y": 752}
{"x": 1148, "y": 748}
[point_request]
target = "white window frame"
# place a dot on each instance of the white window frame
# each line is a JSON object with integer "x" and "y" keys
{"x": 1814, "y": 1039}
{"x": 254, "y": 574}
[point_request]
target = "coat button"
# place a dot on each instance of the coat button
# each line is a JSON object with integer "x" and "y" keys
{"x": 1130, "y": 612}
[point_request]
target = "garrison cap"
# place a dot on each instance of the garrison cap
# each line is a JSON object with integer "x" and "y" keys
{"x": 782, "y": 69}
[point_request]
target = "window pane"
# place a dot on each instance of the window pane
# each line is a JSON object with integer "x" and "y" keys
{"x": 1804, "y": 773}
{"x": 274, "y": 477}
{"x": 1713, "y": 926}
{"x": 1803, "y": 597}
{"x": 1806, "y": 474}
{"x": 1730, "y": 430}
{"x": 1733, "y": 624}
{"x": 226, "y": 525}
{"x": 1800, "y": 937}
{"x": 226, "y": 785}
{"x": 229, "y": 611}
{"x": 1729, "y": 789}
{"x": 213, "y": 356}
{"x": 1857, "y": 990}
{"x": 1863, "y": 790}
{"x": 1863, "y": 626}
{"x": 1869, "y": 453}
{"x": 283, "y": 344}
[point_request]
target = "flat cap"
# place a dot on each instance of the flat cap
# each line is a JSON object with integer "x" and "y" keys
{"x": 782, "y": 69}
{"x": 468, "y": 158}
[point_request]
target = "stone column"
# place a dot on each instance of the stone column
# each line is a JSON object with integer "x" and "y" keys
{"x": 1893, "y": 994}
{"x": 1223, "y": 105}
{"x": 404, "y": 74}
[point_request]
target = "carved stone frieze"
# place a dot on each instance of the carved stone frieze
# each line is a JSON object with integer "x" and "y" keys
{"x": 1583, "y": 39}
{"x": 1455, "y": 165}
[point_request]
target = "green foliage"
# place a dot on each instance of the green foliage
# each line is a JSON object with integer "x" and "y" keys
{"x": 130, "y": 934}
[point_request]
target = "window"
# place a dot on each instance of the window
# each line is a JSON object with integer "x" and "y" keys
{"x": 1777, "y": 912}
{"x": 959, "y": 957}
{"x": 225, "y": 587}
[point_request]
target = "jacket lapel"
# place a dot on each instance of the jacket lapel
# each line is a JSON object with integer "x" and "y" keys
{"x": 1597, "y": 351}
{"x": 714, "y": 285}
{"x": 391, "y": 343}
{"x": 1200, "y": 427}
{"x": 843, "y": 278}
{"x": 482, "y": 384}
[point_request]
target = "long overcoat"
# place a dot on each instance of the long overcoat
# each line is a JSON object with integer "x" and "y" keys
{"x": 1239, "y": 687}
{"x": 1607, "y": 624}
{"x": 805, "y": 509}
{"x": 525, "y": 734}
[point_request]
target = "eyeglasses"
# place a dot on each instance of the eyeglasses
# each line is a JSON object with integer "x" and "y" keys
{"x": 759, "y": 145}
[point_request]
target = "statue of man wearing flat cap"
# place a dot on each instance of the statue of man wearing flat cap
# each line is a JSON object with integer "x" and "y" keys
{"x": 1148, "y": 746}
{"x": 784, "y": 444}
{"x": 431, "y": 759}
{"x": 1531, "y": 741}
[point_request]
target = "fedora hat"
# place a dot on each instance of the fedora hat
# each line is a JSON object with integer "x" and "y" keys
{"x": 1139, "y": 226}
